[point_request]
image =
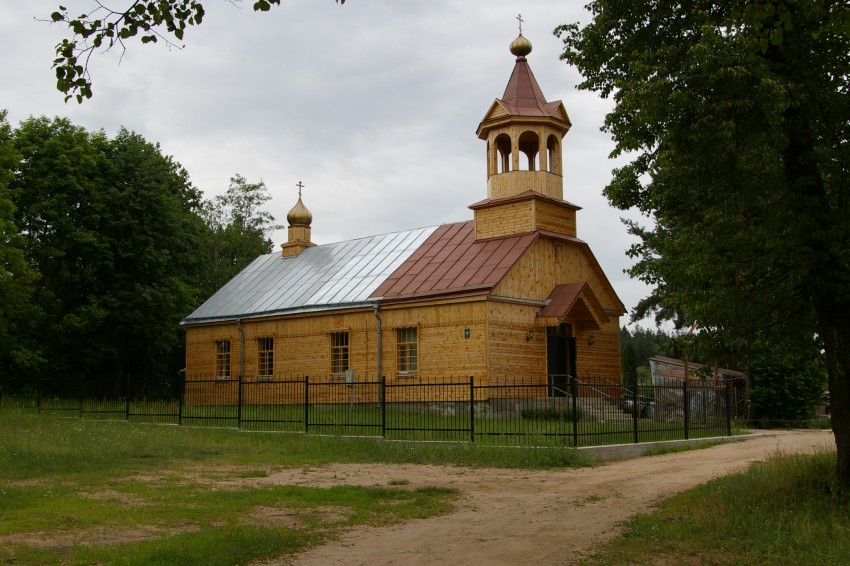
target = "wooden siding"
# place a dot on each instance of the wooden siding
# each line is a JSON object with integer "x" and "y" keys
{"x": 539, "y": 271}
{"x": 444, "y": 351}
{"x": 302, "y": 346}
{"x": 507, "y": 219}
{"x": 513, "y": 183}
{"x": 513, "y": 358}
{"x": 533, "y": 277}
{"x": 601, "y": 359}
{"x": 554, "y": 217}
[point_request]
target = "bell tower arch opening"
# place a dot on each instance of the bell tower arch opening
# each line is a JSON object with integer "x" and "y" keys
{"x": 502, "y": 145}
{"x": 529, "y": 145}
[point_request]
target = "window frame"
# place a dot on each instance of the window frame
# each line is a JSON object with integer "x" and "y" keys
{"x": 223, "y": 349}
{"x": 340, "y": 353}
{"x": 407, "y": 351}
{"x": 265, "y": 358}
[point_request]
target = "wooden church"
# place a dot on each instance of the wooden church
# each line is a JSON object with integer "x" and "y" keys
{"x": 512, "y": 295}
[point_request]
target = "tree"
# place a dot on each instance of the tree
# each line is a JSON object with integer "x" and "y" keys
{"x": 112, "y": 228}
{"x": 735, "y": 116}
{"x": 58, "y": 210}
{"x": 238, "y": 231}
{"x": 785, "y": 386}
{"x": 153, "y": 231}
{"x": 646, "y": 344}
{"x": 630, "y": 373}
{"x": 104, "y": 28}
{"x": 19, "y": 317}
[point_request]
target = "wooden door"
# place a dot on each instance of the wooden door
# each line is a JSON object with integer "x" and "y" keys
{"x": 560, "y": 358}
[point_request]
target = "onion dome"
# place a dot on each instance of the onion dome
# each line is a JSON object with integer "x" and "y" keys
{"x": 299, "y": 215}
{"x": 521, "y": 46}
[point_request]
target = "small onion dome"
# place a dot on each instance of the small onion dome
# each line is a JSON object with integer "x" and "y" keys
{"x": 299, "y": 215}
{"x": 521, "y": 46}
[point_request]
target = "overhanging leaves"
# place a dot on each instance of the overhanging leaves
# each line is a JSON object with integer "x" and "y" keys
{"x": 102, "y": 27}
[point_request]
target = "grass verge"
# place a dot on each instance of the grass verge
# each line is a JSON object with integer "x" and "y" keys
{"x": 94, "y": 492}
{"x": 77, "y": 491}
{"x": 787, "y": 510}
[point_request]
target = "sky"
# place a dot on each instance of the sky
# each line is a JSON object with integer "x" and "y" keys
{"x": 372, "y": 105}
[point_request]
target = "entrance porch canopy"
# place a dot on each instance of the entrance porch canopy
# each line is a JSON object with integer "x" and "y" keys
{"x": 572, "y": 303}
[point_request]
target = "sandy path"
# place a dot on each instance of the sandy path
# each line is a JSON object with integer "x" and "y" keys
{"x": 526, "y": 517}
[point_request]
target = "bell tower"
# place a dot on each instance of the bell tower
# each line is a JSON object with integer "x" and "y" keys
{"x": 523, "y": 131}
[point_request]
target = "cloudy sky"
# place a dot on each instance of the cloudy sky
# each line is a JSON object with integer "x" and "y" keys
{"x": 373, "y": 105}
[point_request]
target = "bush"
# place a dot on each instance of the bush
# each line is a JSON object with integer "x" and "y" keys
{"x": 549, "y": 414}
{"x": 786, "y": 387}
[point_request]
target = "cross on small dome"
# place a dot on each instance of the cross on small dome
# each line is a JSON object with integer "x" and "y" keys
{"x": 520, "y": 46}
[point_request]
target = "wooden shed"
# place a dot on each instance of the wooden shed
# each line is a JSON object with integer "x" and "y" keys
{"x": 512, "y": 295}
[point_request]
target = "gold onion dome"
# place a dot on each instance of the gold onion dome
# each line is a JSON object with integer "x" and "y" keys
{"x": 299, "y": 215}
{"x": 521, "y": 46}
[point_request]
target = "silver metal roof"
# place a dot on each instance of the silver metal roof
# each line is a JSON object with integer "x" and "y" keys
{"x": 330, "y": 276}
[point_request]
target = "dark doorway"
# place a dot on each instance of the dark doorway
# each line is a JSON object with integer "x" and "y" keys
{"x": 560, "y": 358}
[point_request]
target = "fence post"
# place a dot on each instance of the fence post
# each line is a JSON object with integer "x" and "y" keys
{"x": 306, "y": 404}
{"x": 239, "y": 402}
{"x": 180, "y": 394}
{"x": 686, "y": 405}
{"x": 82, "y": 394}
{"x": 728, "y": 409}
{"x": 471, "y": 408}
{"x": 382, "y": 397}
{"x": 635, "y": 410}
{"x": 574, "y": 391}
{"x": 127, "y": 398}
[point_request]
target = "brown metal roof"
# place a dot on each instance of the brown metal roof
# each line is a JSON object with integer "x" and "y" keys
{"x": 574, "y": 302}
{"x": 523, "y": 96}
{"x": 451, "y": 262}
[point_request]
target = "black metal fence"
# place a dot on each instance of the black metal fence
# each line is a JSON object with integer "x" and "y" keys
{"x": 580, "y": 413}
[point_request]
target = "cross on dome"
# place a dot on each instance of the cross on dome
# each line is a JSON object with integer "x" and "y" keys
{"x": 520, "y": 46}
{"x": 299, "y": 215}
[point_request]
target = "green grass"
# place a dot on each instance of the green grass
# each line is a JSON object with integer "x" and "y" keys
{"x": 188, "y": 495}
{"x": 681, "y": 448}
{"x": 787, "y": 510}
{"x": 538, "y": 427}
{"x": 178, "y": 495}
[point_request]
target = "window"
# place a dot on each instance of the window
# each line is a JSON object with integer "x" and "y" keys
{"x": 407, "y": 350}
{"x": 339, "y": 352}
{"x": 265, "y": 357}
{"x": 222, "y": 359}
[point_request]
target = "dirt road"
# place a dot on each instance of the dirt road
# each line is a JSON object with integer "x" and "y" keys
{"x": 527, "y": 517}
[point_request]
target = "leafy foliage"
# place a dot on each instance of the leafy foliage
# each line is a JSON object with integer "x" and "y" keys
{"x": 104, "y": 28}
{"x": 18, "y": 316}
{"x": 647, "y": 343}
{"x": 734, "y": 115}
{"x": 105, "y": 247}
{"x": 630, "y": 374}
{"x": 239, "y": 231}
{"x": 786, "y": 387}
{"x": 110, "y": 225}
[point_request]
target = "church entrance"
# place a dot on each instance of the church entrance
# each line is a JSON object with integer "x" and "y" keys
{"x": 560, "y": 358}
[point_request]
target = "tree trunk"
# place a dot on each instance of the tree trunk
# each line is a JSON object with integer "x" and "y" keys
{"x": 835, "y": 332}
